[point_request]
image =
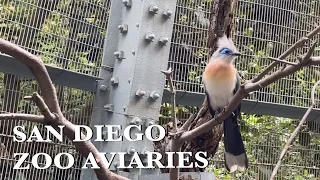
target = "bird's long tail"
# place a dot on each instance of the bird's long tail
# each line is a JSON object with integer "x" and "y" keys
{"x": 235, "y": 154}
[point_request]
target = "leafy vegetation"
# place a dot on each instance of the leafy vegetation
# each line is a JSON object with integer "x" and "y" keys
{"x": 72, "y": 34}
{"x": 264, "y": 137}
{"x": 262, "y": 29}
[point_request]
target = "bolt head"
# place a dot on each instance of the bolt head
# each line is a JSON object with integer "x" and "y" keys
{"x": 154, "y": 95}
{"x": 140, "y": 93}
{"x": 150, "y": 37}
{"x": 116, "y": 54}
{"x": 103, "y": 88}
{"x": 123, "y": 28}
{"x": 136, "y": 121}
{"x": 127, "y": 3}
{"x": 131, "y": 151}
{"x": 108, "y": 107}
{"x": 119, "y": 55}
{"x": 163, "y": 40}
{"x": 114, "y": 81}
{"x": 167, "y": 13}
{"x": 153, "y": 9}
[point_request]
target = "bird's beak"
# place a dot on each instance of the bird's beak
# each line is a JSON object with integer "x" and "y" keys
{"x": 236, "y": 54}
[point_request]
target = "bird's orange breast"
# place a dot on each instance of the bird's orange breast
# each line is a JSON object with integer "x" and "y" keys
{"x": 219, "y": 70}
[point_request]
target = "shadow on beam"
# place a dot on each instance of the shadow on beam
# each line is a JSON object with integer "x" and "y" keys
{"x": 248, "y": 106}
{"x": 58, "y": 75}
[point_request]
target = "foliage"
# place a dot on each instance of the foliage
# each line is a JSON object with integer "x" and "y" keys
{"x": 257, "y": 38}
{"x": 262, "y": 29}
{"x": 264, "y": 137}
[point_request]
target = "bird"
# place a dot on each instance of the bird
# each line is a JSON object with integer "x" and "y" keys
{"x": 221, "y": 81}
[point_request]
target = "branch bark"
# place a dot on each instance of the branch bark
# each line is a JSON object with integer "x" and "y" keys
{"x": 168, "y": 74}
{"x": 253, "y": 85}
{"x": 18, "y": 116}
{"x": 50, "y": 108}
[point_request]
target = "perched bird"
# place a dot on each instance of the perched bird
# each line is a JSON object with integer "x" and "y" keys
{"x": 221, "y": 81}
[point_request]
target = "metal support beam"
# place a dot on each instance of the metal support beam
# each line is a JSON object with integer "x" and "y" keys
{"x": 58, "y": 75}
{"x": 248, "y": 106}
{"x": 136, "y": 48}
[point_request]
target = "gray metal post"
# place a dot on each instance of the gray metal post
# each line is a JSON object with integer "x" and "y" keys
{"x": 136, "y": 49}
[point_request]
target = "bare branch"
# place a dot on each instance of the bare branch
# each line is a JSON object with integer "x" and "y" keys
{"x": 36, "y": 66}
{"x": 281, "y": 57}
{"x": 295, "y": 132}
{"x": 168, "y": 74}
{"x": 50, "y": 108}
{"x": 175, "y": 147}
{"x": 298, "y": 44}
{"x": 18, "y": 116}
{"x": 307, "y": 56}
{"x": 187, "y": 123}
{"x": 43, "y": 107}
{"x": 243, "y": 91}
{"x": 283, "y": 61}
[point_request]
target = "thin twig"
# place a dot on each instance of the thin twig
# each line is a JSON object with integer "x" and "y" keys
{"x": 188, "y": 122}
{"x": 298, "y": 44}
{"x": 307, "y": 57}
{"x": 295, "y": 46}
{"x": 50, "y": 117}
{"x": 168, "y": 74}
{"x": 18, "y": 116}
{"x": 295, "y": 132}
{"x": 282, "y": 61}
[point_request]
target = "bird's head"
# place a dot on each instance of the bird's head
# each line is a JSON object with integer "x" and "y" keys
{"x": 226, "y": 50}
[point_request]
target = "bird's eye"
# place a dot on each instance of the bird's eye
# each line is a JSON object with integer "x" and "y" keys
{"x": 225, "y": 51}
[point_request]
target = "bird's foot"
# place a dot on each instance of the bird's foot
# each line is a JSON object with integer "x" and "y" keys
{"x": 216, "y": 114}
{"x": 224, "y": 109}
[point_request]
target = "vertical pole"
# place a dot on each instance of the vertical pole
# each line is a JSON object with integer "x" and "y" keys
{"x": 136, "y": 48}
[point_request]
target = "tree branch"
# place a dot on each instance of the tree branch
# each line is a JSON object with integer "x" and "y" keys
{"x": 168, "y": 74}
{"x": 291, "y": 49}
{"x": 282, "y": 61}
{"x": 42, "y": 107}
{"x": 50, "y": 108}
{"x": 253, "y": 85}
{"x": 295, "y": 132}
{"x": 243, "y": 91}
{"x": 18, "y": 116}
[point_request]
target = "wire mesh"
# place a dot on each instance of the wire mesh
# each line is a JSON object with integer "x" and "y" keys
{"x": 263, "y": 29}
{"x": 65, "y": 33}
{"x": 264, "y": 138}
{"x": 77, "y": 108}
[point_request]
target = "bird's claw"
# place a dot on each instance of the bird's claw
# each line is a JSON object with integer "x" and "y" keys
{"x": 216, "y": 115}
{"x": 223, "y": 110}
